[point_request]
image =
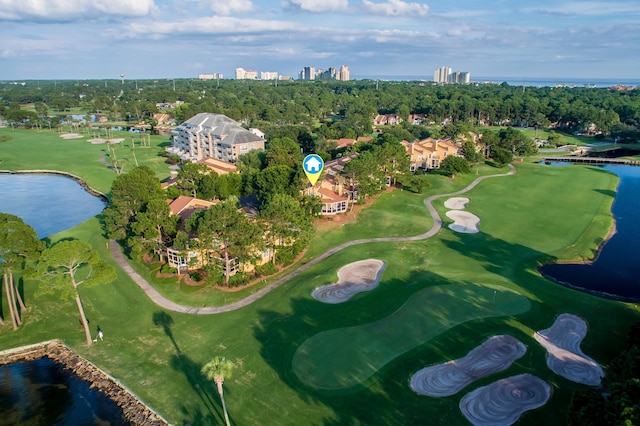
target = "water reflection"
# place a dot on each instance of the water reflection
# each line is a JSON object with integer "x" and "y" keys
{"x": 48, "y": 203}
{"x": 42, "y": 392}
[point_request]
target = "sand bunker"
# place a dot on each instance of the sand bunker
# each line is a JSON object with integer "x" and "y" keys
{"x": 71, "y": 136}
{"x": 464, "y": 222}
{"x": 353, "y": 278}
{"x": 456, "y": 203}
{"x": 564, "y": 356}
{"x": 97, "y": 141}
{"x": 504, "y": 401}
{"x": 494, "y": 355}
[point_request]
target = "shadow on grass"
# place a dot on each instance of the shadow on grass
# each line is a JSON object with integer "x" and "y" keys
{"x": 496, "y": 255}
{"x": 385, "y": 397}
{"x": 164, "y": 320}
{"x": 202, "y": 387}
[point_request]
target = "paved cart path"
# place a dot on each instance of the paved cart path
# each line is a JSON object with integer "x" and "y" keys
{"x": 163, "y": 302}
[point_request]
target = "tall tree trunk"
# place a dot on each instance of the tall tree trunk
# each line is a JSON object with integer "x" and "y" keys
{"x": 219, "y": 382}
{"x": 8, "y": 293}
{"x": 226, "y": 266}
{"x": 14, "y": 305}
{"x": 83, "y": 318}
{"x": 18, "y": 297}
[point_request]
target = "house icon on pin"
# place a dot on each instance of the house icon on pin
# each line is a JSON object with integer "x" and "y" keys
{"x": 313, "y": 164}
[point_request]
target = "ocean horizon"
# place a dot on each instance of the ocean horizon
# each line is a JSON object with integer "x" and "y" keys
{"x": 518, "y": 81}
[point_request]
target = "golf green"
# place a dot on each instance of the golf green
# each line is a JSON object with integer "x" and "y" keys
{"x": 346, "y": 357}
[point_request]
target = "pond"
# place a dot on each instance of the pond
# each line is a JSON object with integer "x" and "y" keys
{"x": 49, "y": 203}
{"x": 615, "y": 273}
{"x": 42, "y": 392}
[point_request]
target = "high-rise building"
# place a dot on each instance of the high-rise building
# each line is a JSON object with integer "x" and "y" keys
{"x": 445, "y": 75}
{"x": 210, "y": 76}
{"x": 343, "y": 74}
{"x": 242, "y": 74}
{"x": 308, "y": 73}
{"x": 268, "y": 75}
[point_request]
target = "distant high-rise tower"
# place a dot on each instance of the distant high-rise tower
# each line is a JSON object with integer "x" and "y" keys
{"x": 309, "y": 73}
{"x": 445, "y": 75}
{"x": 343, "y": 74}
{"x": 441, "y": 75}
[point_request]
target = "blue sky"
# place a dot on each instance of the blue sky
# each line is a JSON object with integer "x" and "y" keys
{"x": 85, "y": 39}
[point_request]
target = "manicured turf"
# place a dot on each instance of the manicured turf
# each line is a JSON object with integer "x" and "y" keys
{"x": 540, "y": 213}
{"x": 46, "y": 150}
{"x": 346, "y": 357}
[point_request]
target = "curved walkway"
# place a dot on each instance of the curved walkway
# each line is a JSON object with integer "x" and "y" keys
{"x": 163, "y": 302}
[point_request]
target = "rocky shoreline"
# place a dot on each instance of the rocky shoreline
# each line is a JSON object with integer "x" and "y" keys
{"x": 133, "y": 410}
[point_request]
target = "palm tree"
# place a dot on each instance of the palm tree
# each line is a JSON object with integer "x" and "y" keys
{"x": 217, "y": 369}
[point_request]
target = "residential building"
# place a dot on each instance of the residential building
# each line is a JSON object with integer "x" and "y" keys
{"x": 268, "y": 75}
{"x": 343, "y": 74}
{"x": 308, "y": 73}
{"x": 429, "y": 153}
{"x": 207, "y": 135}
{"x": 242, "y": 74}
{"x": 445, "y": 75}
{"x": 386, "y": 119}
{"x": 334, "y": 191}
{"x": 210, "y": 76}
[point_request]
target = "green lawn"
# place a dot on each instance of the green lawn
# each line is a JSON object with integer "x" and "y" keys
{"x": 541, "y": 213}
{"x": 46, "y": 150}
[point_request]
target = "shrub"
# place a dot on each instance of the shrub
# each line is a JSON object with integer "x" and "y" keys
{"x": 266, "y": 269}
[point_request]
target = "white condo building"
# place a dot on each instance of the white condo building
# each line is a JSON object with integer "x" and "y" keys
{"x": 242, "y": 74}
{"x": 446, "y": 75}
{"x": 268, "y": 75}
{"x": 216, "y": 136}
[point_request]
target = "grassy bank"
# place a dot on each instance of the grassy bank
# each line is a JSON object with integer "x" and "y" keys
{"x": 539, "y": 214}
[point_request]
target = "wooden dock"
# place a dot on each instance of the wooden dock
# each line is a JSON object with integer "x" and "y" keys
{"x": 593, "y": 160}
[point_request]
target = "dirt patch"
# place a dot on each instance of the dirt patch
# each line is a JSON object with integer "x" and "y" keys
{"x": 504, "y": 401}
{"x": 564, "y": 356}
{"x": 353, "y": 278}
{"x": 493, "y": 355}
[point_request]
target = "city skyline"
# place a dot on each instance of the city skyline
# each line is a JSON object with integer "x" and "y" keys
{"x": 83, "y": 39}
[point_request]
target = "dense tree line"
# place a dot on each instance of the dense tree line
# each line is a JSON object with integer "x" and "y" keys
{"x": 618, "y": 401}
{"x": 306, "y": 106}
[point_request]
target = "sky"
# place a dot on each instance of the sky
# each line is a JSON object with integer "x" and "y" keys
{"x": 100, "y": 39}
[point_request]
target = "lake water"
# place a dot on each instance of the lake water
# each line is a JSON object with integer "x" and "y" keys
{"x": 615, "y": 273}
{"x": 48, "y": 203}
{"x": 42, "y": 392}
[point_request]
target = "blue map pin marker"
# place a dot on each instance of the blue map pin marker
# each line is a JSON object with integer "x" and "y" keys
{"x": 312, "y": 165}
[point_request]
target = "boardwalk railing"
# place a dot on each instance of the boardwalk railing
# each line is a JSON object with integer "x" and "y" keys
{"x": 593, "y": 160}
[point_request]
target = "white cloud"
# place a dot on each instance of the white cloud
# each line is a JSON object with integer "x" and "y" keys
{"x": 317, "y": 5}
{"x": 68, "y": 10}
{"x": 590, "y": 8}
{"x": 396, "y": 8}
{"x": 227, "y": 7}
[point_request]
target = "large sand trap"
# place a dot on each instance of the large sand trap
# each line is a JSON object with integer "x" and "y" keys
{"x": 456, "y": 203}
{"x": 564, "y": 356}
{"x": 353, "y": 278}
{"x": 464, "y": 222}
{"x": 493, "y": 355}
{"x": 504, "y": 401}
{"x": 71, "y": 136}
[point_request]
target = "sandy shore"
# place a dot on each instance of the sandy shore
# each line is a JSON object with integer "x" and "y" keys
{"x": 503, "y": 402}
{"x": 564, "y": 356}
{"x": 353, "y": 278}
{"x": 464, "y": 222}
{"x": 493, "y": 355}
{"x": 456, "y": 203}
